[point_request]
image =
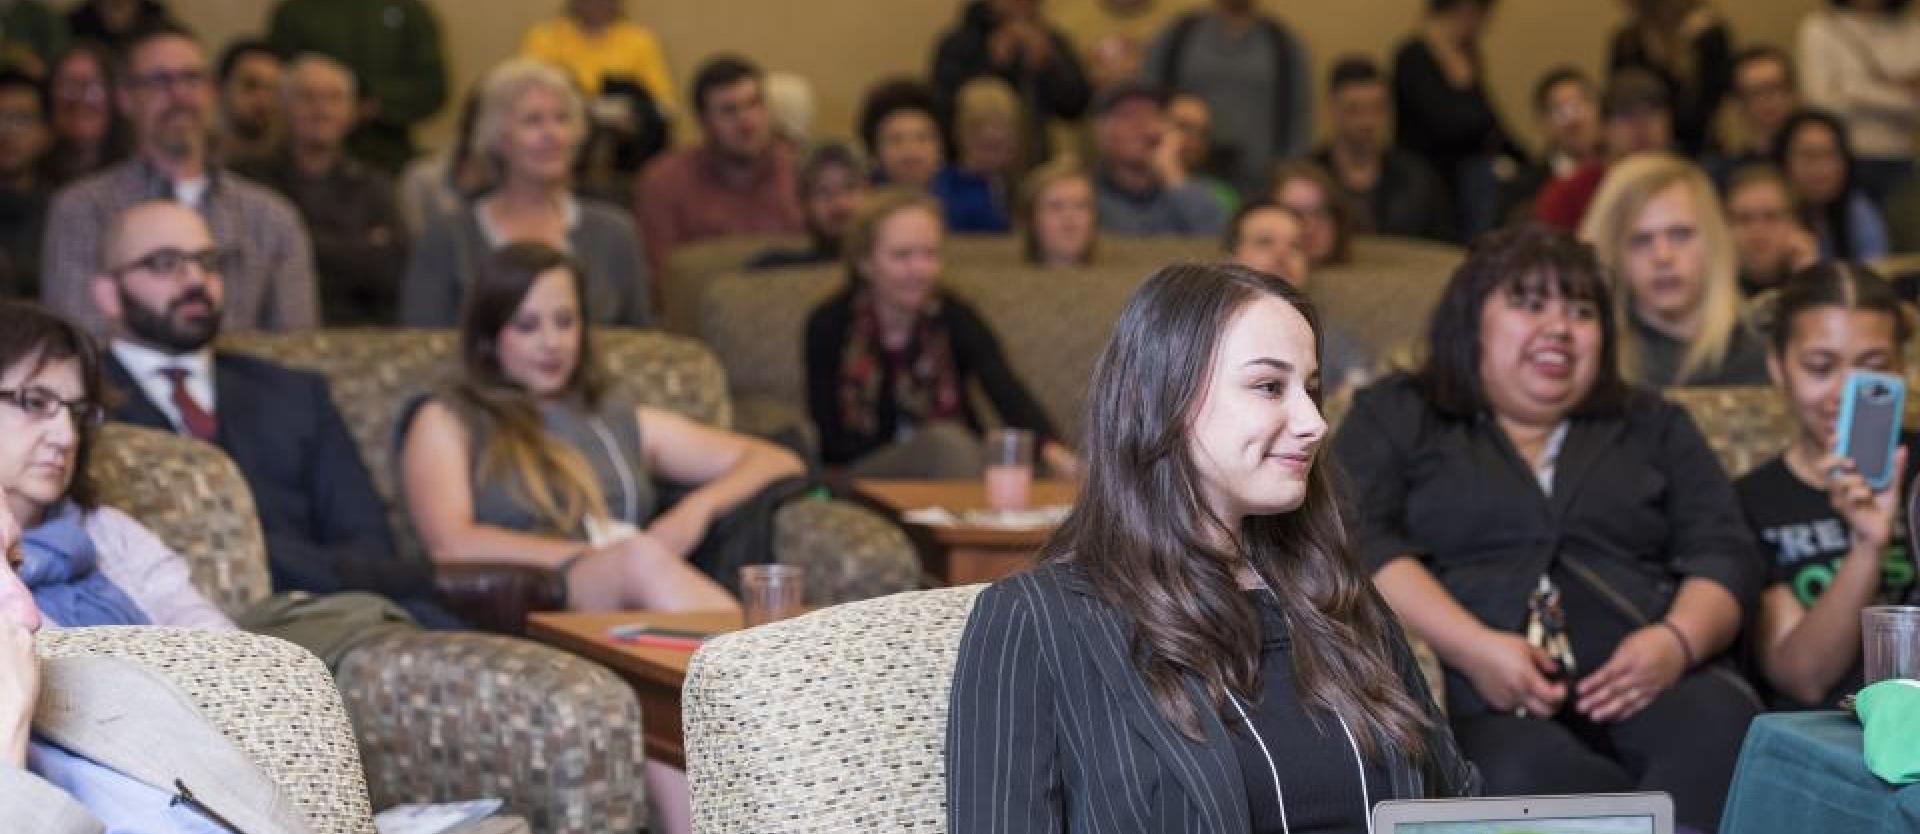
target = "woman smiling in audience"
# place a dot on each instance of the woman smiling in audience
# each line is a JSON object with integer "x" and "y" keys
{"x": 1197, "y": 650}
{"x": 1567, "y": 544}
{"x": 528, "y": 128}
{"x": 1657, "y": 225}
{"x": 1833, "y": 545}
{"x": 890, "y": 359}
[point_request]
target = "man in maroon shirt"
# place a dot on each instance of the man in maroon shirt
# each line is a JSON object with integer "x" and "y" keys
{"x": 740, "y": 181}
{"x": 1639, "y": 119}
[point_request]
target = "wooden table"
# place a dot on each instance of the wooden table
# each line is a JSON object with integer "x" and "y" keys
{"x": 963, "y": 554}
{"x": 655, "y": 674}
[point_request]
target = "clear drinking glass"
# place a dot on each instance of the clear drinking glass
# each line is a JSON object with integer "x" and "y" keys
{"x": 1890, "y": 642}
{"x": 1009, "y": 468}
{"x": 771, "y": 593}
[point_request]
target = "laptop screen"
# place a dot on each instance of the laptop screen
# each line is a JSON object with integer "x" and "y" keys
{"x": 1565, "y": 825}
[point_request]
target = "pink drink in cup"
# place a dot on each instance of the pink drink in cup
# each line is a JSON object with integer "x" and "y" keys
{"x": 1009, "y": 468}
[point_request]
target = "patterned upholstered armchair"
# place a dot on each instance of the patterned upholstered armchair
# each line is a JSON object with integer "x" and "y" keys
{"x": 1744, "y": 424}
{"x": 272, "y": 699}
{"x": 835, "y": 721}
{"x": 849, "y": 552}
{"x": 439, "y": 716}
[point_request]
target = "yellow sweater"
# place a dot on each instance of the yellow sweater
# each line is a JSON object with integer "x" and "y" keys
{"x": 624, "y": 48}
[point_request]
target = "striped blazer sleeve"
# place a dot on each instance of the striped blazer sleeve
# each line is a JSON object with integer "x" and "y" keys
{"x": 1003, "y": 771}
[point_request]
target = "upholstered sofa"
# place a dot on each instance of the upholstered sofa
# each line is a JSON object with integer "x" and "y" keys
{"x": 271, "y": 699}
{"x": 849, "y": 552}
{"x": 439, "y": 716}
{"x": 1052, "y": 325}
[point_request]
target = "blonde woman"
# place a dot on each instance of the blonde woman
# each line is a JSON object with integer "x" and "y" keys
{"x": 528, "y": 126}
{"x": 988, "y": 157}
{"x": 1657, "y": 227}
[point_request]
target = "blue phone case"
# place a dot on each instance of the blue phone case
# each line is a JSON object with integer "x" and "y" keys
{"x": 1850, "y": 402}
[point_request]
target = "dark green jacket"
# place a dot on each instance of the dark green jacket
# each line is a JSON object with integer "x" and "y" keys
{"x": 393, "y": 46}
{"x": 30, "y": 25}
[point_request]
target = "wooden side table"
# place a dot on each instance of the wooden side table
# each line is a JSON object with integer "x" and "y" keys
{"x": 656, "y": 674}
{"x": 963, "y": 554}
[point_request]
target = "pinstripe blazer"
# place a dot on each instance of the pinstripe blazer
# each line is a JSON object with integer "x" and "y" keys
{"x": 1052, "y": 728}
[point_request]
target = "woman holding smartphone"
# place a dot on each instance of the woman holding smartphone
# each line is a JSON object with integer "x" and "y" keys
{"x": 1833, "y": 545}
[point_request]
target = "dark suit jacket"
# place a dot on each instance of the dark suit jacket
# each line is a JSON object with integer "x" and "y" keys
{"x": 1053, "y": 729}
{"x": 326, "y": 528}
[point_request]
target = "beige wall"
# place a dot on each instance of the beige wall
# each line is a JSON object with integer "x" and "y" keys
{"x": 842, "y": 45}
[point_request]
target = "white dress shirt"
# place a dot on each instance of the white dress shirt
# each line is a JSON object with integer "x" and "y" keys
{"x": 145, "y": 365}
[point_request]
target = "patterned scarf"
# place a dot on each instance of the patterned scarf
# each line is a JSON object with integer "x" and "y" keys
{"x": 62, "y": 569}
{"x": 926, "y": 386}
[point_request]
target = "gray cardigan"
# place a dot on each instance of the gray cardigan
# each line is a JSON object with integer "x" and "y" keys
{"x": 452, "y": 245}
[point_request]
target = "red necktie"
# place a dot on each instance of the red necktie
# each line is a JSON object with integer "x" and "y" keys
{"x": 198, "y": 420}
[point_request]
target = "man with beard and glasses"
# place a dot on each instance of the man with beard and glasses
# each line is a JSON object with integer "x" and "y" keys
{"x": 166, "y": 92}
{"x": 161, "y": 286}
{"x": 740, "y": 181}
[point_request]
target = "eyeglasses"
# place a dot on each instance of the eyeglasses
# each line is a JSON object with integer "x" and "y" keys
{"x": 43, "y": 404}
{"x": 191, "y": 79}
{"x": 173, "y": 262}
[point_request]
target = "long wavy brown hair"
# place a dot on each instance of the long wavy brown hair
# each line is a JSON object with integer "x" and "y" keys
{"x": 1145, "y": 539}
{"x": 553, "y": 478}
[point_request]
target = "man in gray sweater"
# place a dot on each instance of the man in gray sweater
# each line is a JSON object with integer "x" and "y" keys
{"x": 1141, "y": 186}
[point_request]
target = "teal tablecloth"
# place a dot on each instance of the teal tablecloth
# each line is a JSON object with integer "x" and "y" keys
{"x": 1803, "y": 772}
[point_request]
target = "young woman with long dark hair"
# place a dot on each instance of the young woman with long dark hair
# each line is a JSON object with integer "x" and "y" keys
{"x": 1197, "y": 650}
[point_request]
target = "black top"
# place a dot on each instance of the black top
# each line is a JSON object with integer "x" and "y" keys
{"x": 1639, "y": 503}
{"x": 1802, "y": 542}
{"x": 359, "y": 240}
{"x": 23, "y": 223}
{"x": 1052, "y": 729}
{"x": 1440, "y": 123}
{"x": 1319, "y": 769}
{"x": 1057, "y": 89}
{"x": 976, "y": 352}
{"x": 1694, "y": 103}
{"x": 1405, "y": 200}
{"x": 1745, "y": 362}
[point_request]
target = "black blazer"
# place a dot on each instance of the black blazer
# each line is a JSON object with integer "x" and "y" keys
{"x": 1052, "y": 727}
{"x": 325, "y": 526}
{"x": 1639, "y": 505}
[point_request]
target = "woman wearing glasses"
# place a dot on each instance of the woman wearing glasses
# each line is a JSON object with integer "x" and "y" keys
{"x": 86, "y": 564}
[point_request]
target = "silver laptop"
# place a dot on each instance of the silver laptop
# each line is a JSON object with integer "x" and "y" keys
{"x": 1603, "y": 813}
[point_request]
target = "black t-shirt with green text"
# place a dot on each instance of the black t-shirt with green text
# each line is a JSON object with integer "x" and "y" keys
{"x": 1804, "y": 541}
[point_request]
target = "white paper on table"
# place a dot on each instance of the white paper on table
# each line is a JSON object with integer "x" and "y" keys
{"x": 1032, "y": 518}
{"x": 433, "y": 819}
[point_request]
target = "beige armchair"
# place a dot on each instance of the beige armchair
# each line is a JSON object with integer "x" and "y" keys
{"x": 831, "y": 722}
{"x": 439, "y": 716}
{"x": 272, "y": 699}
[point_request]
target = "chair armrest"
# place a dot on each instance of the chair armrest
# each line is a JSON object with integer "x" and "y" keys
{"x": 498, "y": 597}
{"x": 450, "y": 716}
{"x": 849, "y": 552}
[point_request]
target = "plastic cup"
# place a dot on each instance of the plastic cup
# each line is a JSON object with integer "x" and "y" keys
{"x": 1890, "y": 642}
{"x": 771, "y": 593}
{"x": 1009, "y": 469}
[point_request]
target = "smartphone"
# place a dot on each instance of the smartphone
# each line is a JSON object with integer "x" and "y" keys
{"x": 1869, "y": 431}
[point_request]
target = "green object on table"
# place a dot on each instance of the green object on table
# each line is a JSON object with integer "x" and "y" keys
{"x": 1803, "y": 773}
{"x": 1890, "y": 711}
